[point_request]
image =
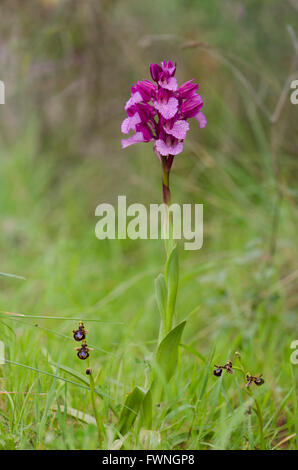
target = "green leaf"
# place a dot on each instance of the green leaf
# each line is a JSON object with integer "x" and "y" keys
{"x": 130, "y": 409}
{"x": 206, "y": 375}
{"x": 74, "y": 413}
{"x": 12, "y": 275}
{"x": 167, "y": 353}
{"x": 161, "y": 294}
{"x": 85, "y": 381}
{"x": 228, "y": 424}
{"x": 171, "y": 276}
{"x": 73, "y": 373}
{"x": 161, "y": 299}
{"x": 146, "y": 411}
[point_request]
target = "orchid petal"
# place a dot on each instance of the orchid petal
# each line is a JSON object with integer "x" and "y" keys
{"x": 169, "y": 84}
{"x": 134, "y": 139}
{"x": 200, "y": 117}
{"x": 169, "y": 109}
{"x": 166, "y": 150}
{"x": 178, "y": 130}
{"x": 135, "y": 98}
{"x": 130, "y": 123}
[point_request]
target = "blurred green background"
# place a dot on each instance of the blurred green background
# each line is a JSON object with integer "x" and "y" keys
{"x": 68, "y": 67}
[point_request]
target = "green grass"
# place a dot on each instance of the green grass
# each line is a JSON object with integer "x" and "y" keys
{"x": 234, "y": 295}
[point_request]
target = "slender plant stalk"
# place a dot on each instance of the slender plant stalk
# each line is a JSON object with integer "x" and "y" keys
{"x": 169, "y": 241}
{"x": 166, "y": 196}
{"x": 260, "y": 418}
{"x": 93, "y": 401}
{"x": 258, "y": 408}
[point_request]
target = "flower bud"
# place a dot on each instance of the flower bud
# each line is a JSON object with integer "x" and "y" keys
{"x": 155, "y": 71}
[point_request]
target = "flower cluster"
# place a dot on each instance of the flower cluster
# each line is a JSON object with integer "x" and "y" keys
{"x": 80, "y": 335}
{"x": 228, "y": 367}
{"x": 159, "y": 111}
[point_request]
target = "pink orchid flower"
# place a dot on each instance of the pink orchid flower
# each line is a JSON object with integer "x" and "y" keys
{"x": 158, "y": 112}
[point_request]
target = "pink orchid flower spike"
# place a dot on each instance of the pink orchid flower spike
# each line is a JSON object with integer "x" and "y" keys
{"x": 158, "y": 112}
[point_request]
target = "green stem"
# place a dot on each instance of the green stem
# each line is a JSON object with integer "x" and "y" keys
{"x": 258, "y": 409}
{"x": 172, "y": 288}
{"x": 166, "y": 196}
{"x": 260, "y": 418}
{"x": 93, "y": 401}
{"x": 169, "y": 242}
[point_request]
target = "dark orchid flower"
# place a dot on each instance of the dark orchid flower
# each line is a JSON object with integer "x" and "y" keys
{"x": 257, "y": 380}
{"x": 228, "y": 367}
{"x": 83, "y": 351}
{"x": 80, "y": 333}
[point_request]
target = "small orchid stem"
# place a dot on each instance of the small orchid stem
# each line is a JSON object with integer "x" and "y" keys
{"x": 257, "y": 410}
{"x": 93, "y": 401}
{"x": 260, "y": 418}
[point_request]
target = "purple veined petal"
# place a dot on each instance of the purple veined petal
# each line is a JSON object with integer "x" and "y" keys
{"x": 168, "y": 148}
{"x": 178, "y": 130}
{"x": 147, "y": 89}
{"x": 191, "y": 106}
{"x": 135, "y": 98}
{"x": 146, "y": 111}
{"x": 132, "y": 110}
{"x": 200, "y": 117}
{"x": 134, "y": 139}
{"x": 146, "y": 131}
{"x": 161, "y": 134}
{"x": 188, "y": 89}
{"x": 167, "y": 109}
{"x": 155, "y": 71}
{"x": 168, "y": 66}
{"x": 130, "y": 123}
{"x": 169, "y": 84}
